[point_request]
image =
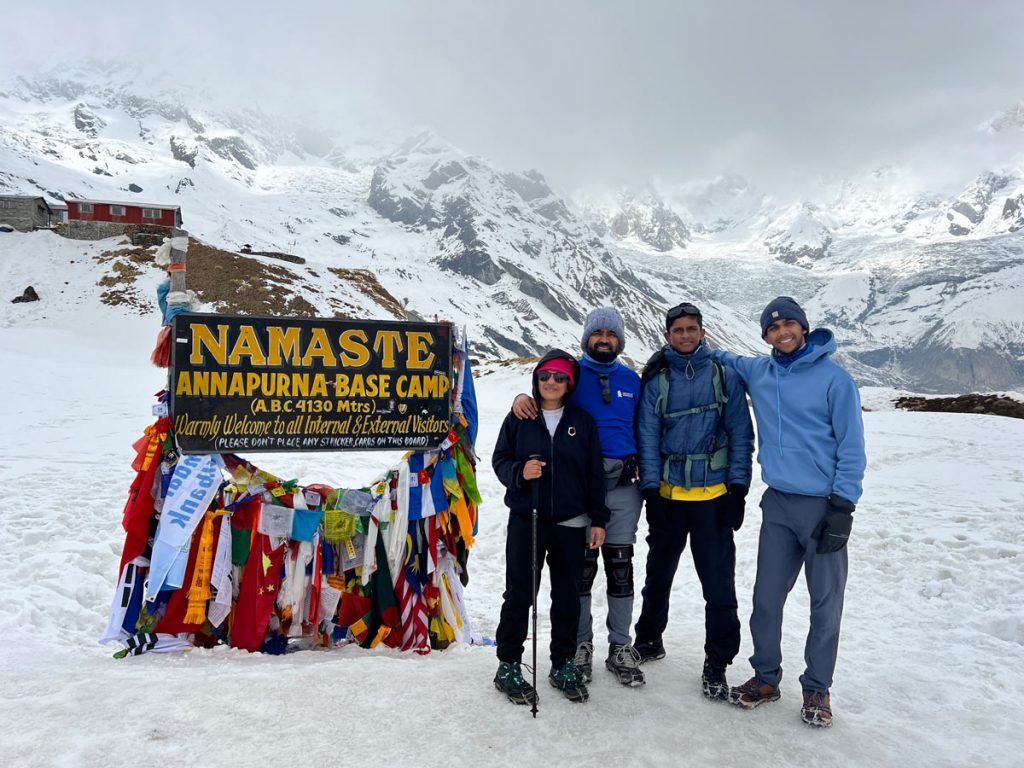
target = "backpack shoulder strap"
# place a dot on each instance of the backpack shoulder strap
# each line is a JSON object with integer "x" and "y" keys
{"x": 661, "y": 404}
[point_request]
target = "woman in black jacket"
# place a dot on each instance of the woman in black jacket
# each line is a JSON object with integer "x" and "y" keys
{"x": 559, "y": 453}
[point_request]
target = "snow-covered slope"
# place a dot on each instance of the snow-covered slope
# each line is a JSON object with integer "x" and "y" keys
{"x": 921, "y": 284}
{"x": 931, "y": 661}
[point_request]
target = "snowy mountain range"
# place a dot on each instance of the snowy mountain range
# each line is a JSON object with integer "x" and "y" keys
{"x": 923, "y": 285}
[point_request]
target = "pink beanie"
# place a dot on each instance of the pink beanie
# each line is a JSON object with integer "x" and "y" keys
{"x": 559, "y": 365}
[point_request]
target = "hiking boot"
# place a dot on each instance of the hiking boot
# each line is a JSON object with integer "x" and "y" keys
{"x": 650, "y": 650}
{"x": 624, "y": 661}
{"x": 753, "y": 693}
{"x": 712, "y": 679}
{"x": 817, "y": 709}
{"x": 509, "y": 680}
{"x": 584, "y": 661}
{"x": 567, "y": 679}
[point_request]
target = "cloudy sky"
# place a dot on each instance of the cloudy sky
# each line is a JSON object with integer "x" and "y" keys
{"x": 588, "y": 92}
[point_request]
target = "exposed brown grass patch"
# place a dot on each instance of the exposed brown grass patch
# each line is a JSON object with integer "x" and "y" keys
{"x": 137, "y": 255}
{"x": 367, "y": 284}
{"x": 120, "y": 278}
{"x": 240, "y": 285}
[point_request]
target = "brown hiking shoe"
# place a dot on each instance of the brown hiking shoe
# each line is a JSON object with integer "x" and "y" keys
{"x": 753, "y": 693}
{"x": 817, "y": 709}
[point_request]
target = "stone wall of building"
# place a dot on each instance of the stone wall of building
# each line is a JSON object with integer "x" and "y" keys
{"x": 24, "y": 214}
{"x": 143, "y": 235}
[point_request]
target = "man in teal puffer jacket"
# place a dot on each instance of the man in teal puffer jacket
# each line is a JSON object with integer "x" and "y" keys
{"x": 696, "y": 442}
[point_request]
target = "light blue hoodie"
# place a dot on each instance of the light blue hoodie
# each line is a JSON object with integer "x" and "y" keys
{"x": 810, "y": 434}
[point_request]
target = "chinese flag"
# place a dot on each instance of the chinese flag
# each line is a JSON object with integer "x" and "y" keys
{"x": 257, "y": 594}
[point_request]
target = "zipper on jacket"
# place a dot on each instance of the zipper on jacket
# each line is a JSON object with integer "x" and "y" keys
{"x": 551, "y": 503}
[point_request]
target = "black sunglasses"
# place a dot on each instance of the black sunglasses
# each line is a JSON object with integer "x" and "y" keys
{"x": 606, "y": 390}
{"x": 686, "y": 308}
{"x": 560, "y": 378}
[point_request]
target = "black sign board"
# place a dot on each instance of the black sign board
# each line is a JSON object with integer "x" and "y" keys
{"x": 243, "y": 383}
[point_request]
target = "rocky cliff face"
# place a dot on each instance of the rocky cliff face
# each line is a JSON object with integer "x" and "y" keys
{"x": 512, "y": 237}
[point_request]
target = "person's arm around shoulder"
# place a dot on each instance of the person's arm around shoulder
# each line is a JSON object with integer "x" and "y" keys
{"x": 739, "y": 428}
{"x": 504, "y": 462}
{"x": 524, "y": 406}
{"x": 742, "y": 365}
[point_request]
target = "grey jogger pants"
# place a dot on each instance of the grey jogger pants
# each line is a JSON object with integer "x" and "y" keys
{"x": 624, "y": 503}
{"x": 786, "y": 544}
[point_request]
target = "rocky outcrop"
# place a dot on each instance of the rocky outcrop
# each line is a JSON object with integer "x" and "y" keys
{"x": 970, "y": 208}
{"x": 651, "y": 222}
{"x": 87, "y": 121}
{"x": 235, "y": 149}
{"x": 408, "y": 208}
{"x": 185, "y": 150}
{"x": 29, "y": 294}
{"x": 934, "y": 365}
{"x": 799, "y": 236}
{"x": 1013, "y": 213}
{"x": 997, "y": 405}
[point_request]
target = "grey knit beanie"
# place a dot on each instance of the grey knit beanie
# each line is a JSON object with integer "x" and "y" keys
{"x": 782, "y": 308}
{"x": 604, "y": 317}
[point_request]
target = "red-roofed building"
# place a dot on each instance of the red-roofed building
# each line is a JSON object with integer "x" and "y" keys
{"x": 124, "y": 213}
{"x": 144, "y": 224}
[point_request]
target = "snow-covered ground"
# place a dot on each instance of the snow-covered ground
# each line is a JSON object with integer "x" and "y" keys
{"x": 930, "y": 669}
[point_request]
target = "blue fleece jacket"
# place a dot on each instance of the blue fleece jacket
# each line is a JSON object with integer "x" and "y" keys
{"x": 616, "y": 421}
{"x": 810, "y": 434}
{"x": 691, "y": 386}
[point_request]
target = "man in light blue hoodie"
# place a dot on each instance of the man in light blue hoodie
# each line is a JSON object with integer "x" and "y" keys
{"x": 810, "y": 437}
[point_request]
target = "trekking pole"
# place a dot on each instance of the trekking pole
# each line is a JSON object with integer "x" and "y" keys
{"x": 533, "y": 582}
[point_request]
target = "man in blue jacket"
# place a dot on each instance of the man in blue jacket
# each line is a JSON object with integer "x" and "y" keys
{"x": 610, "y": 393}
{"x": 810, "y": 438}
{"x": 696, "y": 442}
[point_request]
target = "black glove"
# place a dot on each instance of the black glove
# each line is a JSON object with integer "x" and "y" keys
{"x": 833, "y": 532}
{"x": 729, "y": 513}
{"x": 652, "y": 500}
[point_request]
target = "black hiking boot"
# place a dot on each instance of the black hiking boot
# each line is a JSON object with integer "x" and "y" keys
{"x": 584, "y": 661}
{"x": 509, "y": 680}
{"x": 624, "y": 661}
{"x": 650, "y": 650}
{"x": 567, "y": 679}
{"x": 712, "y": 679}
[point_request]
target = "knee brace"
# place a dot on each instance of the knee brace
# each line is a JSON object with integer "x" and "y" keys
{"x": 618, "y": 569}
{"x": 589, "y": 572}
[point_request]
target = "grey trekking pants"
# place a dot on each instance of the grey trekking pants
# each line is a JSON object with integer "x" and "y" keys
{"x": 786, "y": 544}
{"x": 624, "y": 503}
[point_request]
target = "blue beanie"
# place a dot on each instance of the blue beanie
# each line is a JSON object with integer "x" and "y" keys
{"x": 604, "y": 317}
{"x": 782, "y": 308}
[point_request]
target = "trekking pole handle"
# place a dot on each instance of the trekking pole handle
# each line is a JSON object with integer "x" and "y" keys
{"x": 535, "y": 486}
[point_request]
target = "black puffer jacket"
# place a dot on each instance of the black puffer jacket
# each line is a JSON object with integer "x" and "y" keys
{"x": 572, "y": 482}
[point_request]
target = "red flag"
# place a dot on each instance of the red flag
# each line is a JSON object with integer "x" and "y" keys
{"x": 257, "y": 594}
{"x": 138, "y": 510}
